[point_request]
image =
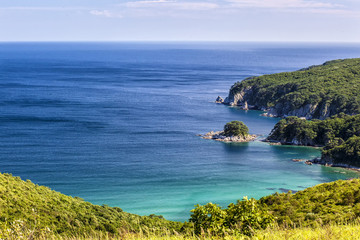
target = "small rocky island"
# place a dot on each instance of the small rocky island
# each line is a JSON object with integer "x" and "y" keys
{"x": 234, "y": 131}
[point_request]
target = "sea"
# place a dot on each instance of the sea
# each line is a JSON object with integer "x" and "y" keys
{"x": 117, "y": 123}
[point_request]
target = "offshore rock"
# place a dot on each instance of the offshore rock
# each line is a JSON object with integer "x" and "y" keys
{"x": 219, "y": 100}
{"x": 219, "y": 136}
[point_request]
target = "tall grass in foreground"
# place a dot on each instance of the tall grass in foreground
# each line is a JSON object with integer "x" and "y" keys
{"x": 327, "y": 232}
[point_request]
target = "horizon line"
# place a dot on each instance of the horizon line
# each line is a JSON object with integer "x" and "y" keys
{"x": 173, "y": 41}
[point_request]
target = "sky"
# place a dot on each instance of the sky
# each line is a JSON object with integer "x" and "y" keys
{"x": 180, "y": 20}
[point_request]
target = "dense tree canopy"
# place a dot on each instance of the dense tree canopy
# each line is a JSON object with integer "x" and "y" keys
{"x": 236, "y": 128}
{"x": 339, "y": 134}
{"x": 330, "y": 89}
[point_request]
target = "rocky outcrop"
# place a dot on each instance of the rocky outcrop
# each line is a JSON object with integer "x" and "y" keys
{"x": 315, "y": 92}
{"x": 245, "y": 100}
{"x": 240, "y": 99}
{"x": 291, "y": 141}
{"x": 219, "y": 100}
{"x": 327, "y": 161}
{"x": 219, "y": 136}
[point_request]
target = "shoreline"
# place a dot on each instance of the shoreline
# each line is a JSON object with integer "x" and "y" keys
{"x": 323, "y": 163}
{"x": 276, "y": 143}
{"x": 318, "y": 161}
{"x": 219, "y": 136}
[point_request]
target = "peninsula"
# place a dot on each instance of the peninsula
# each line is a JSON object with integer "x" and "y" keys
{"x": 339, "y": 136}
{"x": 314, "y": 92}
{"x": 327, "y": 94}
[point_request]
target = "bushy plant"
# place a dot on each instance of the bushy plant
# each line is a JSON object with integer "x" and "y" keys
{"x": 236, "y": 128}
{"x": 244, "y": 217}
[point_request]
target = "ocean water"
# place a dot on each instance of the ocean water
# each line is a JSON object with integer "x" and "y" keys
{"x": 116, "y": 123}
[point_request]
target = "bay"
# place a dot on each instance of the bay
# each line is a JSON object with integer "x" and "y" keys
{"x": 116, "y": 123}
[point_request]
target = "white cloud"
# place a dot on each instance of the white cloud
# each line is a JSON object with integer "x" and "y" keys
{"x": 282, "y": 4}
{"x": 105, "y": 13}
{"x": 169, "y": 4}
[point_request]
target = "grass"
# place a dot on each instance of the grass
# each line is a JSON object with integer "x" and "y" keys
{"x": 327, "y": 232}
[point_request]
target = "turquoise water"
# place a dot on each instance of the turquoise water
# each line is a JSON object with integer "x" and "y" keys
{"x": 116, "y": 123}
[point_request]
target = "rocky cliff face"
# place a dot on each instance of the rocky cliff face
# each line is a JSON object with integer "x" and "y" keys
{"x": 248, "y": 98}
{"x": 315, "y": 92}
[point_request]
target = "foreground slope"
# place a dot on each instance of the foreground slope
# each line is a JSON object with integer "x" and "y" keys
{"x": 39, "y": 208}
{"x": 29, "y": 211}
{"x": 315, "y": 92}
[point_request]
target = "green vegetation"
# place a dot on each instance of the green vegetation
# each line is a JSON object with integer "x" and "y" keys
{"x": 24, "y": 205}
{"x": 236, "y": 128}
{"x": 337, "y": 202}
{"x": 339, "y": 134}
{"x": 29, "y": 211}
{"x": 345, "y": 153}
{"x": 314, "y": 92}
{"x": 244, "y": 217}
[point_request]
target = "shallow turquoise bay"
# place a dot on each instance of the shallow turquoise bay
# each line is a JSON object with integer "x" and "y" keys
{"x": 117, "y": 123}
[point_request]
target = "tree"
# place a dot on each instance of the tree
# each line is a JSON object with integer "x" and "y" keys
{"x": 236, "y": 128}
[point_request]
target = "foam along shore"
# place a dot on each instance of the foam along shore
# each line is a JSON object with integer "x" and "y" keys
{"x": 220, "y": 136}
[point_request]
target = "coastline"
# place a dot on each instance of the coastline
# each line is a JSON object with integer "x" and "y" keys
{"x": 319, "y": 161}
{"x": 219, "y": 136}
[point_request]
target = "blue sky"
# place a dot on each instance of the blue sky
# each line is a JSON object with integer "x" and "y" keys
{"x": 180, "y": 20}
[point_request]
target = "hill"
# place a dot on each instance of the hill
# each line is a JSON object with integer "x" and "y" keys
{"x": 29, "y": 211}
{"x": 40, "y": 210}
{"x": 315, "y": 92}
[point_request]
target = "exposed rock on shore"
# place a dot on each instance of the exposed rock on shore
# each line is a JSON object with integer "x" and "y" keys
{"x": 308, "y": 93}
{"x": 328, "y": 162}
{"x": 219, "y": 136}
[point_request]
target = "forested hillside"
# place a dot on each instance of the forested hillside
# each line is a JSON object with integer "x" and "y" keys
{"x": 339, "y": 134}
{"x": 315, "y": 92}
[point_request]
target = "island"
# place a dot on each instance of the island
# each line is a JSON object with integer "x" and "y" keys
{"x": 234, "y": 131}
{"x": 314, "y": 92}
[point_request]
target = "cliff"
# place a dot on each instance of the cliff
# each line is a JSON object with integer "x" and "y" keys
{"x": 315, "y": 92}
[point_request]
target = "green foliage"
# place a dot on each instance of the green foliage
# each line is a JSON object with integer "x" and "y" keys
{"x": 244, "y": 217}
{"x": 209, "y": 218}
{"x": 247, "y": 216}
{"x": 339, "y": 134}
{"x": 336, "y": 202}
{"x": 236, "y": 128}
{"x": 39, "y": 208}
{"x": 346, "y": 153}
{"x": 29, "y": 211}
{"x": 333, "y": 86}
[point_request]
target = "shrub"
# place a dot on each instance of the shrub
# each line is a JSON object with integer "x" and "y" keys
{"x": 236, "y": 128}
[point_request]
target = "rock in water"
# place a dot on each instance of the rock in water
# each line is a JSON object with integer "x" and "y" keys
{"x": 246, "y": 106}
{"x": 219, "y": 100}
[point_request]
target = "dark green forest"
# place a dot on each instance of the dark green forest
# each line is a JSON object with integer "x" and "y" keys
{"x": 315, "y": 92}
{"x": 339, "y": 135}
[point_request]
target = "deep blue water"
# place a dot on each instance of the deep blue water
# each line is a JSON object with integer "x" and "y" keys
{"x": 116, "y": 123}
